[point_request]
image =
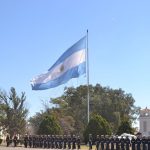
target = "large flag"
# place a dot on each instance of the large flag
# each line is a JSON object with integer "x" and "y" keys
{"x": 71, "y": 64}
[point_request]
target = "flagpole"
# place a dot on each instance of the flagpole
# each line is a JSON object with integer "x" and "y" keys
{"x": 88, "y": 92}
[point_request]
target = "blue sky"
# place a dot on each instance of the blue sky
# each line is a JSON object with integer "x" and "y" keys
{"x": 34, "y": 33}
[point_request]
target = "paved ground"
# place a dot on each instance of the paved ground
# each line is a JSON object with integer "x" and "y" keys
{"x": 22, "y": 148}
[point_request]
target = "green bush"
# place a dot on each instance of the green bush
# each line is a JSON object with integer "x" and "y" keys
{"x": 97, "y": 126}
{"x": 49, "y": 125}
{"x": 1, "y": 141}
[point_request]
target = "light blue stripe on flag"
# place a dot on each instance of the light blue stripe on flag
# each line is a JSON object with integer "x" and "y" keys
{"x": 70, "y": 65}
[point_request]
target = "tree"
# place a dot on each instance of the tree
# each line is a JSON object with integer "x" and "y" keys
{"x": 125, "y": 127}
{"x": 97, "y": 125}
{"x": 49, "y": 125}
{"x": 13, "y": 112}
{"x": 112, "y": 104}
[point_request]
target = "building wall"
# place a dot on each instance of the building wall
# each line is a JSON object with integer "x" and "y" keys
{"x": 144, "y": 120}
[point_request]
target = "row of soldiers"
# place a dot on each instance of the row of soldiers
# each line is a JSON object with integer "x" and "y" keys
{"x": 52, "y": 141}
{"x": 123, "y": 143}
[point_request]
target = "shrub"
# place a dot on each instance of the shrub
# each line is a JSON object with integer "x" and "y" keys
{"x": 97, "y": 126}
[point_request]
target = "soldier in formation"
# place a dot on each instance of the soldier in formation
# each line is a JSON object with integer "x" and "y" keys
{"x": 124, "y": 143}
{"x": 52, "y": 141}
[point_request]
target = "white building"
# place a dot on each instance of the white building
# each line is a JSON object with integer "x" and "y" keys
{"x": 144, "y": 120}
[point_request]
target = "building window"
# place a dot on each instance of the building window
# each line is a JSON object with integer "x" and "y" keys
{"x": 144, "y": 126}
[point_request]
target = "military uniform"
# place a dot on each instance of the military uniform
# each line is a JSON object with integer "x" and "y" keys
{"x": 15, "y": 140}
{"x": 7, "y": 140}
{"x": 90, "y": 141}
{"x": 133, "y": 141}
{"x": 138, "y": 142}
{"x": 112, "y": 143}
{"x": 102, "y": 142}
{"x": 97, "y": 142}
{"x": 148, "y": 143}
{"x": 122, "y": 141}
{"x": 127, "y": 142}
{"x": 78, "y": 142}
{"x": 117, "y": 142}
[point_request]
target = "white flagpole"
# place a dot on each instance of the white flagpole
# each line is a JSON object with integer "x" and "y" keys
{"x": 87, "y": 70}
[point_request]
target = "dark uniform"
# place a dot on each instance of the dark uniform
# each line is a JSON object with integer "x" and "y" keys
{"x": 74, "y": 142}
{"x": 138, "y": 142}
{"x": 26, "y": 141}
{"x": 34, "y": 141}
{"x": 127, "y": 142}
{"x": 133, "y": 141}
{"x": 90, "y": 141}
{"x": 143, "y": 141}
{"x": 117, "y": 142}
{"x": 107, "y": 141}
{"x": 148, "y": 143}
{"x": 15, "y": 140}
{"x": 53, "y": 142}
{"x": 30, "y": 141}
{"x": 65, "y": 142}
{"x": 122, "y": 141}
{"x": 97, "y": 141}
{"x": 112, "y": 143}
{"x": 102, "y": 142}
{"x": 78, "y": 142}
{"x": 7, "y": 140}
{"x": 69, "y": 142}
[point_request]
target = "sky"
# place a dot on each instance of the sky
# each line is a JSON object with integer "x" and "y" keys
{"x": 34, "y": 33}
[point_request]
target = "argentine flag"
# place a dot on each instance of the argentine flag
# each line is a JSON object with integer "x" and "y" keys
{"x": 71, "y": 64}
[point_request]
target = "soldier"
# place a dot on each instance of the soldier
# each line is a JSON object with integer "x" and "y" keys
{"x": 122, "y": 141}
{"x": 102, "y": 141}
{"x": 60, "y": 142}
{"x": 41, "y": 141}
{"x": 97, "y": 142}
{"x": 148, "y": 143}
{"x": 143, "y": 141}
{"x": 53, "y": 142}
{"x": 74, "y": 142}
{"x": 127, "y": 142}
{"x": 112, "y": 143}
{"x": 138, "y": 142}
{"x": 78, "y": 142}
{"x": 65, "y": 142}
{"x": 30, "y": 141}
{"x": 69, "y": 142}
{"x": 117, "y": 142}
{"x": 15, "y": 140}
{"x": 133, "y": 141}
{"x": 49, "y": 141}
{"x": 107, "y": 141}
{"x": 90, "y": 141}
{"x": 56, "y": 141}
{"x": 26, "y": 141}
{"x": 7, "y": 140}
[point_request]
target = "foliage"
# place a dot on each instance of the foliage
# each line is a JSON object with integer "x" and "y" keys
{"x": 112, "y": 104}
{"x": 71, "y": 108}
{"x": 66, "y": 122}
{"x": 49, "y": 125}
{"x": 125, "y": 127}
{"x": 97, "y": 125}
{"x": 13, "y": 112}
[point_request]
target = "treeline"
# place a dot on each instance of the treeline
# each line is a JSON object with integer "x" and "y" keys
{"x": 111, "y": 112}
{"x": 115, "y": 108}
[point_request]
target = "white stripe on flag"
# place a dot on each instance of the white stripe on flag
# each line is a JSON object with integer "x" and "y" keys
{"x": 74, "y": 60}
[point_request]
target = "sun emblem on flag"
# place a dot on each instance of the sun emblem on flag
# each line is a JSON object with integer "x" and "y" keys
{"x": 62, "y": 68}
